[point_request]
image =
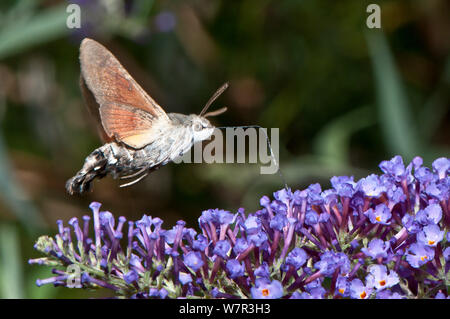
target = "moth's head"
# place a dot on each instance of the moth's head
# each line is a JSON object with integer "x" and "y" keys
{"x": 202, "y": 129}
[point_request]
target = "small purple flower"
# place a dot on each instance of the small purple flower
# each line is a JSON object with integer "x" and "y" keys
{"x": 371, "y": 186}
{"x": 314, "y": 284}
{"x": 258, "y": 239}
{"x": 193, "y": 260}
{"x": 317, "y": 292}
{"x": 376, "y": 248}
{"x": 440, "y": 295}
{"x": 395, "y": 195}
{"x": 265, "y": 290}
{"x": 240, "y": 246}
{"x": 410, "y": 223}
{"x": 387, "y": 294}
{"x": 424, "y": 175}
{"x": 153, "y": 292}
{"x": 446, "y": 254}
{"x": 131, "y": 277}
{"x": 419, "y": 254}
{"x": 135, "y": 262}
{"x": 342, "y": 286}
{"x": 358, "y": 290}
{"x": 201, "y": 243}
{"x": 379, "y": 278}
{"x": 284, "y": 196}
{"x": 311, "y": 218}
{"x": 262, "y": 271}
{"x": 327, "y": 264}
{"x": 329, "y": 261}
{"x": 395, "y": 168}
{"x": 296, "y": 295}
{"x": 354, "y": 244}
{"x": 170, "y": 235}
{"x": 223, "y": 217}
{"x": 441, "y": 166}
{"x": 297, "y": 258}
{"x": 278, "y": 222}
{"x": 314, "y": 194}
{"x": 222, "y": 248}
{"x": 344, "y": 185}
{"x": 184, "y": 278}
{"x": 252, "y": 224}
{"x": 439, "y": 189}
{"x": 300, "y": 196}
{"x": 432, "y": 214}
{"x": 343, "y": 262}
{"x": 329, "y": 197}
{"x": 163, "y": 293}
{"x": 189, "y": 233}
{"x": 324, "y": 218}
{"x": 264, "y": 201}
{"x": 206, "y": 217}
{"x": 430, "y": 235}
{"x": 380, "y": 215}
{"x": 235, "y": 268}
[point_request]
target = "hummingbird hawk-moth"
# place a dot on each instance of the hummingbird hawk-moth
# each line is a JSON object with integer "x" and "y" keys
{"x": 139, "y": 135}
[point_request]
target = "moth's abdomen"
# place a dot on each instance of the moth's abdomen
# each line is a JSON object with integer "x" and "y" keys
{"x": 111, "y": 158}
{"x": 118, "y": 160}
{"x": 94, "y": 166}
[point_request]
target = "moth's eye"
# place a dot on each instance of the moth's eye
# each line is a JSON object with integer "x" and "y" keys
{"x": 197, "y": 127}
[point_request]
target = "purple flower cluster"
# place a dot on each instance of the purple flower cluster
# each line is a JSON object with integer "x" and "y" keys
{"x": 384, "y": 236}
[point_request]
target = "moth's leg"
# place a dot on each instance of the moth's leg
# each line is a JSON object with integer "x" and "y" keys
{"x": 134, "y": 174}
{"x": 135, "y": 181}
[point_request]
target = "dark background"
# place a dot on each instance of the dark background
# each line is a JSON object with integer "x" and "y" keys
{"x": 344, "y": 97}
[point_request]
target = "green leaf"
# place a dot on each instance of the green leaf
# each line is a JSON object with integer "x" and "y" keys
{"x": 11, "y": 263}
{"x": 333, "y": 142}
{"x": 401, "y": 135}
{"x": 23, "y": 34}
{"x": 14, "y": 197}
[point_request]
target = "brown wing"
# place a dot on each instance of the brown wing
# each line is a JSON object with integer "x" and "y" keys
{"x": 127, "y": 113}
{"x": 93, "y": 108}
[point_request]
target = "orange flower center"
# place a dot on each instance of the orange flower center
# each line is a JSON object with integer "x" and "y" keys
{"x": 382, "y": 282}
{"x": 423, "y": 258}
{"x": 342, "y": 290}
{"x": 431, "y": 242}
{"x": 265, "y": 292}
{"x": 363, "y": 295}
{"x": 378, "y": 218}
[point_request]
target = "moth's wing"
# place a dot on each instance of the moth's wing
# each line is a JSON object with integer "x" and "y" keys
{"x": 93, "y": 108}
{"x": 127, "y": 113}
{"x": 132, "y": 126}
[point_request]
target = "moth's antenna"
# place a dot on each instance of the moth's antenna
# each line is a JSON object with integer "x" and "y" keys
{"x": 213, "y": 98}
{"x": 216, "y": 112}
{"x": 270, "y": 147}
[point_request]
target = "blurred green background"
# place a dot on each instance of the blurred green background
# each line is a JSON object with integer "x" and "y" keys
{"x": 344, "y": 97}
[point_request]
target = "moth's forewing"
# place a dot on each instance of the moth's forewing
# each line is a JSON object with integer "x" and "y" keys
{"x": 127, "y": 113}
